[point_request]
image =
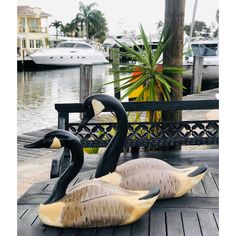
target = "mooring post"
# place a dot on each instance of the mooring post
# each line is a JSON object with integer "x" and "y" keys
{"x": 196, "y": 83}
{"x": 86, "y": 73}
{"x": 115, "y": 67}
{"x": 23, "y": 60}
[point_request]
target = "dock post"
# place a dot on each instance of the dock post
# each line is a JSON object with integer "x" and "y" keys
{"x": 115, "y": 67}
{"x": 23, "y": 60}
{"x": 86, "y": 74}
{"x": 196, "y": 83}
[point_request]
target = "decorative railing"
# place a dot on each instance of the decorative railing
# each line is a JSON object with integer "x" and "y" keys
{"x": 37, "y": 29}
{"x": 144, "y": 134}
{"x": 23, "y": 29}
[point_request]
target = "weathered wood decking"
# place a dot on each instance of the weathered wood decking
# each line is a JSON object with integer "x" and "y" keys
{"x": 194, "y": 214}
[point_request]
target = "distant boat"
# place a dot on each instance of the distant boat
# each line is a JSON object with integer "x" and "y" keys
{"x": 69, "y": 53}
{"x": 209, "y": 50}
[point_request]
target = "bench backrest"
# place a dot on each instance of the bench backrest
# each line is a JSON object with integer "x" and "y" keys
{"x": 143, "y": 134}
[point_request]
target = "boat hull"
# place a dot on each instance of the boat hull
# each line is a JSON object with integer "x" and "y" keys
{"x": 210, "y": 72}
{"x": 68, "y": 60}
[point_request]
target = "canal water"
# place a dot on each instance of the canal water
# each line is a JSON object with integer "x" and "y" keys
{"x": 38, "y": 91}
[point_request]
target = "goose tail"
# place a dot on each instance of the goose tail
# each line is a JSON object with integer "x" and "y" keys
{"x": 201, "y": 169}
{"x": 153, "y": 192}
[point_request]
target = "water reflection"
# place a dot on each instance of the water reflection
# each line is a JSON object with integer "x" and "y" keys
{"x": 38, "y": 91}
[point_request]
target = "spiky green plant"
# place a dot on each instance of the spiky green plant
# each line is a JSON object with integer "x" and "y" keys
{"x": 151, "y": 78}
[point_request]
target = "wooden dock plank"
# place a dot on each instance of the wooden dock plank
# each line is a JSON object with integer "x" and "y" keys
{"x": 191, "y": 224}
{"x": 105, "y": 231}
{"x": 208, "y": 224}
{"x": 141, "y": 227}
{"x": 198, "y": 189}
{"x": 52, "y": 231}
{"x": 189, "y": 202}
{"x": 209, "y": 184}
{"x": 124, "y": 230}
{"x": 216, "y": 217}
{"x": 86, "y": 232}
{"x": 174, "y": 223}
{"x": 30, "y": 216}
{"x": 157, "y": 222}
{"x": 216, "y": 179}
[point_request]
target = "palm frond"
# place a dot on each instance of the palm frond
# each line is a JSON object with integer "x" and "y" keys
{"x": 148, "y": 49}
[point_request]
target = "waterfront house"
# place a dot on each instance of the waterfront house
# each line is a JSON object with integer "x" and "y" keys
{"x": 32, "y": 29}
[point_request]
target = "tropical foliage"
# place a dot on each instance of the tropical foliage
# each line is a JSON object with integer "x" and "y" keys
{"x": 56, "y": 24}
{"x": 149, "y": 77}
{"x": 70, "y": 29}
{"x": 89, "y": 22}
{"x": 92, "y": 21}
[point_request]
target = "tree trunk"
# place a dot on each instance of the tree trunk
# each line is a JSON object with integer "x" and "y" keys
{"x": 173, "y": 56}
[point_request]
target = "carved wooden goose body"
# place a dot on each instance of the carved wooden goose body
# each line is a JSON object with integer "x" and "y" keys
{"x": 138, "y": 174}
{"x": 145, "y": 172}
{"x": 92, "y": 203}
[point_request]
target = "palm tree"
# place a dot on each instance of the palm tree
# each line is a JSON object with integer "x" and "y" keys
{"x": 91, "y": 20}
{"x": 98, "y": 26}
{"x": 68, "y": 29}
{"x": 56, "y": 24}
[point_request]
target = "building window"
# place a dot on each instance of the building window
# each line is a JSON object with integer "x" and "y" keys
{"x": 31, "y": 43}
{"x": 23, "y": 43}
{"x": 39, "y": 43}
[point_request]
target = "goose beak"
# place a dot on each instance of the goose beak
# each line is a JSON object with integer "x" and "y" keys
{"x": 86, "y": 118}
{"x": 38, "y": 144}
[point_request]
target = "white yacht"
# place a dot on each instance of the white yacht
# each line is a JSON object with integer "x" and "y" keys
{"x": 207, "y": 49}
{"x": 69, "y": 53}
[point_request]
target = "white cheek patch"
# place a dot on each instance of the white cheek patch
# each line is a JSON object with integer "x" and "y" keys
{"x": 97, "y": 107}
{"x": 56, "y": 144}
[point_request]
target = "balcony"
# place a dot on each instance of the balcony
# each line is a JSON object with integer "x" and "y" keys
{"x": 37, "y": 29}
{"x": 23, "y": 29}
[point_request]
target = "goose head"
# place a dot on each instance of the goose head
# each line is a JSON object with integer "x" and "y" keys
{"x": 95, "y": 104}
{"x": 54, "y": 140}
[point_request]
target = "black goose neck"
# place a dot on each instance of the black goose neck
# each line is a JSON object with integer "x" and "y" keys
{"x": 77, "y": 160}
{"x": 109, "y": 160}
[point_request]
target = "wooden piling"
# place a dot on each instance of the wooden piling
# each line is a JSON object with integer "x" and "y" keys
{"x": 173, "y": 55}
{"x": 86, "y": 73}
{"x": 196, "y": 83}
{"x": 115, "y": 67}
{"x": 23, "y": 60}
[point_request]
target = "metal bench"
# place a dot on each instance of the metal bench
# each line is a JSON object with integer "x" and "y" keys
{"x": 141, "y": 134}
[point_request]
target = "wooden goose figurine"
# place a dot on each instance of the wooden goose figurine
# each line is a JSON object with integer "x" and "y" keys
{"x": 92, "y": 203}
{"x": 142, "y": 173}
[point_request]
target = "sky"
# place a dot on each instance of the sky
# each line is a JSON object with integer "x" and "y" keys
{"x": 125, "y": 14}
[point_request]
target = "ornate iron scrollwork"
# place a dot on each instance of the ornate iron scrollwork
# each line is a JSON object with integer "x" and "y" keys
{"x": 145, "y": 134}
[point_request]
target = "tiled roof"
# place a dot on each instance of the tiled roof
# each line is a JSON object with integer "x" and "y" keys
{"x": 31, "y": 11}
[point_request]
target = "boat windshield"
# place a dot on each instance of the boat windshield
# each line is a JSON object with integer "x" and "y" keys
{"x": 205, "y": 49}
{"x": 73, "y": 45}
